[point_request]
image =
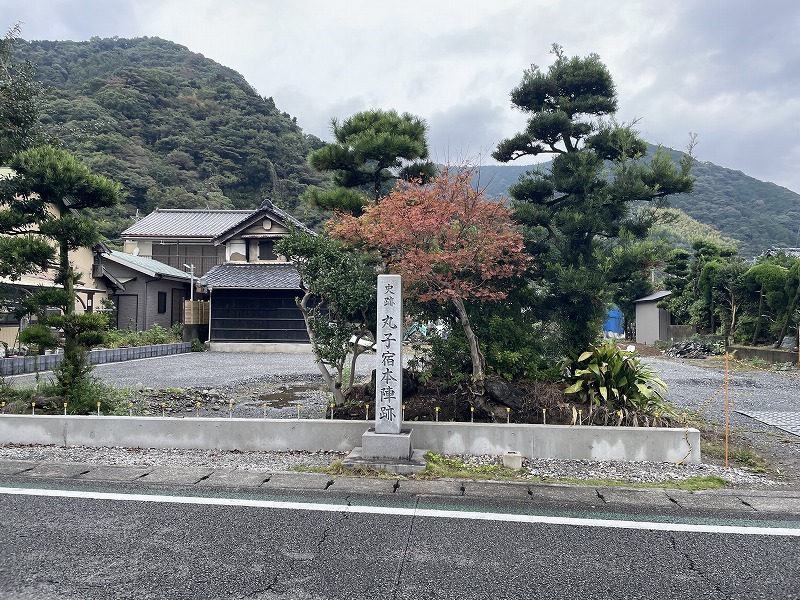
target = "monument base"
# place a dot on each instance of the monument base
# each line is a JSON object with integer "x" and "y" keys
{"x": 386, "y": 445}
{"x": 415, "y": 464}
{"x": 390, "y": 452}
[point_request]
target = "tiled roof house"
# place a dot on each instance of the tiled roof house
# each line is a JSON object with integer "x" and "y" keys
{"x": 251, "y": 289}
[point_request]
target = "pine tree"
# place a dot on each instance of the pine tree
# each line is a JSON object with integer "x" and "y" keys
{"x": 372, "y": 149}
{"x": 597, "y": 189}
{"x": 53, "y": 187}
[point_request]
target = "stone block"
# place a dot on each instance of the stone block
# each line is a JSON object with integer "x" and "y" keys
{"x": 386, "y": 445}
{"x": 512, "y": 460}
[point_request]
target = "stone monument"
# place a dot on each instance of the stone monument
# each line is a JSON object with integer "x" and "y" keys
{"x": 388, "y": 445}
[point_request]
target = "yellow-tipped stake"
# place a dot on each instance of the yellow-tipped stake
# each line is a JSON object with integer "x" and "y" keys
{"x": 230, "y": 410}
{"x": 298, "y": 411}
{"x": 403, "y": 413}
{"x": 98, "y": 409}
{"x": 265, "y": 410}
{"x": 472, "y": 414}
{"x": 332, "y": 405}
{"x": 544, "y": 416}
{"x": 65, "y": 409}
{"x": 163, "y": 406}
{"x": 580, "y": 417}
{"x": 508, "y": 415}
{"x": 33, "y": 408}
{"x": 130, "y": 408}
{"x": 437, "y": 413}
{"x": 197, "y": 406}
{"x": 3, "y": 407}
{"x": 366, "y": 412}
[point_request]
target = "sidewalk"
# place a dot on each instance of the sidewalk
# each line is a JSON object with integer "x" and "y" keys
{"x": 745, "y": 503}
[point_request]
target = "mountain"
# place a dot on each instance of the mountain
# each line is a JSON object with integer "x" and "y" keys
{"x": 756, "y": 214}
{"x": 180, "y": 130}
{"x": 175, "y": 128}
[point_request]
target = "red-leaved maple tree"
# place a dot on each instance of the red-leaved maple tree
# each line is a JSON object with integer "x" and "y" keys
{"x": 448, "y": 241}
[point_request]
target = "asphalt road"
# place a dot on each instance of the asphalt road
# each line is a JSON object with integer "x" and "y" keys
{"x": 219, "y": 546}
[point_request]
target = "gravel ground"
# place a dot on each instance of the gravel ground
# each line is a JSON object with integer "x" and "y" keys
{"x": 698, "y": 387}
{"x": 285, "y": 380}
{"x": 548, "y": 469}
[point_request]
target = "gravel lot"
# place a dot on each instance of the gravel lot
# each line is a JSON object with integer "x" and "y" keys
{"x": 698, "y": 387}
{"x": 251, "y": 378}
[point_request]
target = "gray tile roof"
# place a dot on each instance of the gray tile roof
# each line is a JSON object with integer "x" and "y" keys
{"x": 140, "y": 263}
{"x": 186, "y": 223}
{"x": 793, "y": 252}
{"x": 264, "y": 276}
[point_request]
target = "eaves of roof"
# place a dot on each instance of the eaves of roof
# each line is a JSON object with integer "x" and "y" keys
{"x": 263, "y": 276}
{"x": 147, "y": 266}
{"x": 654, "y": 296}
{"x": 269, "y": 210}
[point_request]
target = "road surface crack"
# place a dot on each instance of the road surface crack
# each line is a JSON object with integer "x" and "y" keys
{"x": 747, "y": 504}
{"x": 404, "y": 553}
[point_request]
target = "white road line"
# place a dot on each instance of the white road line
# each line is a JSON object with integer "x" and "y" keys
{"x": 408, "y": 512}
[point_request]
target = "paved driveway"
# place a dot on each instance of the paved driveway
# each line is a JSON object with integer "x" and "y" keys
{"x": 217, "y": 370}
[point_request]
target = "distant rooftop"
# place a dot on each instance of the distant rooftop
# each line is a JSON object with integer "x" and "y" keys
{"x": 148, "y": 265}
{"x": 794, "y": 252}
{"x": 186, "y": 223}
{"x": 264, "y": 276}
{"x": 654, "y": 296}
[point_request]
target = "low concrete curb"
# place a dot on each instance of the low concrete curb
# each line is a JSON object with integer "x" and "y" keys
{"x": 532, "y": 441}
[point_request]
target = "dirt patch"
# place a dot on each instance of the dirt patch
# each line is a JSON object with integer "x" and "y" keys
{"x": 534, "y": 402}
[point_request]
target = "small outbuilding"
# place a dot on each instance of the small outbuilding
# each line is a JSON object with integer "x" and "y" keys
{"x": 145, "y": 292}
{"x": 652, "y": 323}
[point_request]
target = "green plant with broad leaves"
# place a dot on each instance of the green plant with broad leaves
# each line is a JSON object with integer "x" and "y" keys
{"x": 617, "y": 386}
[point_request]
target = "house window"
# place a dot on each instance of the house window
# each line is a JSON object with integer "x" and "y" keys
{"x": 162, "y": 302}
{"x": 266, "y": 250}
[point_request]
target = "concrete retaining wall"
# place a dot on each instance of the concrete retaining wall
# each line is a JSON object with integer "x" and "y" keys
{"x": 770, "y": 355}
{"x": 532, "y": 441}
{"x": 46, "y": 362}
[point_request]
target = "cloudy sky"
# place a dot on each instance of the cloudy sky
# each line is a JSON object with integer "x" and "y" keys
{"x": 727, "y": 70}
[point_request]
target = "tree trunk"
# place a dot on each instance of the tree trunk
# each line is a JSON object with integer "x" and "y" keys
{"x": 760, "y": 316}
{"x": 498, "y": 413}
{"x": 789, "y": 313}
{"x": 357, "y": 351}
{"x": 478, "y": 361}
{"x": 336, "y": 390}
{"x": 65, "y": 271}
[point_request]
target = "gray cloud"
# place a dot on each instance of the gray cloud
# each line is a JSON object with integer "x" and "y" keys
{"x": 726, "y": 69}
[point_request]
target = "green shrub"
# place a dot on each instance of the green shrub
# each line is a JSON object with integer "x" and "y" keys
{"x": 41, "y": 336}
{"x": 617, "y": 386}
{"x": 126, "y": 338}
{"x": 83, "y": 397}
{"x": 175, "y": 334}
{"x": 155, "y": 335}
{"x": 120, "y": 338}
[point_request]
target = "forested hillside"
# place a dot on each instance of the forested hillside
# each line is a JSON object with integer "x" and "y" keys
{"x": 756, "y": 214}
{"x": 175, "y": 128}
{"x": 180, "y": 130}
